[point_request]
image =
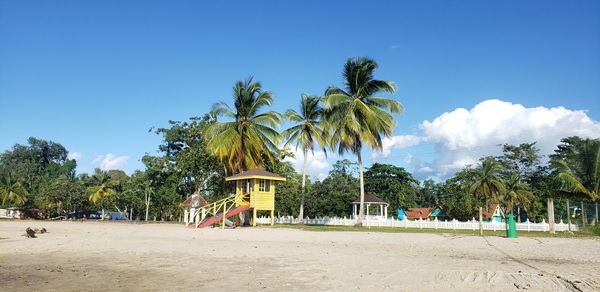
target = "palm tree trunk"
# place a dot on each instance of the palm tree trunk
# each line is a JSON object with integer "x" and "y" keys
{"x": 569, "y": 214}
{"x": 596, "y": 213}
{"x": 301, "y": 213}
{"x": 147, "y": 206}
{"x": 362, "y": 190}
{"x": 518, "y": 214}
{"x": 550, "y": 205}
{"x": 481, "y": 221}
{"x": 583, "y": 217}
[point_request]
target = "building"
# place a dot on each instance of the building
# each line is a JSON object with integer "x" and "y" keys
{"x": 374, "y": 207}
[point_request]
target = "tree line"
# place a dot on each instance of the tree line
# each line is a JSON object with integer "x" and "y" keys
{"x": 196, "y": 155}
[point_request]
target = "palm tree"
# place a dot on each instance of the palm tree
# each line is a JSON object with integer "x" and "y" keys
{"x": 12, "y": 190}
{"x": 308, "y": 131}
{"x": 580, "y": 175}
{"x": 356, "y": 118}
{"x": 241, "y": 142}
{"x": 103, "y": 188}
{"x": 487, "y": 185}
{"x": 516, "y": 194}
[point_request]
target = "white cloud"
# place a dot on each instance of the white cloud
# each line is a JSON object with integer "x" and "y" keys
{"x": 110, "y": 161}
{"x": 395, "y": 142}
{"x": 317, "y": 164}
{"x": 462, "y": 136}
{"x": 74, "y": 156}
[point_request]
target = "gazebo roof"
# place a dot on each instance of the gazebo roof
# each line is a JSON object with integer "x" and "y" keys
{"x": 371, "y": 199}
{"x": 259, "y": 173}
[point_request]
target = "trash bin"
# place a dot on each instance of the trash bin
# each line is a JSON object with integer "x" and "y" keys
{"x": 511, "y": 227}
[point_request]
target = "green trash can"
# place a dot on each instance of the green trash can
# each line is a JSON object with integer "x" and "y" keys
{"x": 511, "y": 227}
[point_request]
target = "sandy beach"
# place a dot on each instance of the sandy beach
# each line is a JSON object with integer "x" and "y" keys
{"x": 152, "y": 257}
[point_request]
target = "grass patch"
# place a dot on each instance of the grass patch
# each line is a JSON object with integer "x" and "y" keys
{"x": 326, "y": 228}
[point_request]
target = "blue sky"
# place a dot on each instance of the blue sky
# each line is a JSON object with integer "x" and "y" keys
{"x": 96, "y": 75}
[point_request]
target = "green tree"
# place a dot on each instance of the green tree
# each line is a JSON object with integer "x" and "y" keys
{"x": 307, "y": 132}
{"x": 184, "y": 145}
{"x": 250, "y": 133}
{"x": 12, "y": 190}
{"x": 456, "y": 197}
{"x": 392, "y": 184}
{"x": 287, "y": 199}
{"x": 487, "y": 185}
{"x": 102, "y": 188}
{"x": 516, "y": 194}
{"x": 333, "y": 196}
{"x": 356, "y": 118}
{"x": 577, "y": 165}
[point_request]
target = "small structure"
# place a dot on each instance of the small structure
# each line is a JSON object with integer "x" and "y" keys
{"x": 493, "y": 213}
{"x": 381, "y": 207}
{"x": 255, "y": 188}
{"x": 190, "y": 205}
{"x": 425, "y": 213}
{"x": 401, "y": 214}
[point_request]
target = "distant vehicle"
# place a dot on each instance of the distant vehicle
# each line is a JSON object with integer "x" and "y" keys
{"x": 81, "y": 215}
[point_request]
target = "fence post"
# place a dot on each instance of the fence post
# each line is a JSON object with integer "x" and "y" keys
{"x": 420, "y": 223}
{"x": 436, "y": 223}
{"x": 454, "y": 223}
{"x": 528, "y": 225}
{"x": 405, "y": 222}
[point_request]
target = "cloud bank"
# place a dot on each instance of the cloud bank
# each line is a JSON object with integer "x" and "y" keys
{"x": 74, "y": 156}
{"x": 462, "y": 136}
{"x": 110, "y": 161}
{"x": 316, "y": 164}
{"x": 395, "y": 142}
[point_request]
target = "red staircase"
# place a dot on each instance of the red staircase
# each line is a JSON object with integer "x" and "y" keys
{"x": 217, "y": 218}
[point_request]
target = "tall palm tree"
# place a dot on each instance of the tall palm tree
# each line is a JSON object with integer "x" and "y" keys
{"x": 308, "y": 131}
{"x": 12, "y": 190}
{"x": 356, "y": 118}
{"x": 240, "y": 142}
{"x": 103, "y": 188}
{"x": 580, "y": 175}
{"x": 516, "y": 194}
{"x": 487, "y": 185}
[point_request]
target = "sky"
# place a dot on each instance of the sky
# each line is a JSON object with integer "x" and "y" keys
{"x": 95, "y": 76}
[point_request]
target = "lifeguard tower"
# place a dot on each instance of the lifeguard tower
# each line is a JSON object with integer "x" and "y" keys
{"x": 254, "y": 189}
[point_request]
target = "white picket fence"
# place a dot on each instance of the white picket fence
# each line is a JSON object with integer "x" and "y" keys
{"x": 422, "y": 224}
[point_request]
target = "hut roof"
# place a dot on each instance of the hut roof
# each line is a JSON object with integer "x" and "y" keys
{"x": 371, "y": 199}
{"x": 255, "y": 173}
{"x": 416, "y": 213}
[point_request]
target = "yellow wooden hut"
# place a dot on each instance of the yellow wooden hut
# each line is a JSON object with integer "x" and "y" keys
{"x": 256, "y": 188}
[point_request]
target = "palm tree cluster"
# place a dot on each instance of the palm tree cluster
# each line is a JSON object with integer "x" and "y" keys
{"x": 345, "y": 119}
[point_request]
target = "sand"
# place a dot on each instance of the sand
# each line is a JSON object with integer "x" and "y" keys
{"x": 83, "y": 256}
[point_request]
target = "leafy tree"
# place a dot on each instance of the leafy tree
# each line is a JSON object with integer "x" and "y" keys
{"x": 101, "y": 189}
{"x": 286, "y": 197}
{"x": 356, "y": 118}
{"x": 522, "y": 159}
{"x": 428, "y": 195}
{"x": 250, "y": 133}
{"x": 333, "y": 196}
{"x": 456, "y": 197}
{"x": 487, "y": 185}
{"x": 184, "y": 145}
{"x": 392, "y": 184}
{"x": 516, "y": 194}
{"x": 307, "y": 132}
{"x": 577, "y": 167}
{"x": 579, "y": 171}
{"x": 11, "y": 190}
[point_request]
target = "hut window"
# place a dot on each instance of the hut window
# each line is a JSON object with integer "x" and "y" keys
{"x": 245, "y": 186}
{"x": 263, "y": 185}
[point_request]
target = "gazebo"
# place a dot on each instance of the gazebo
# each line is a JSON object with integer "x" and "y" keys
{"x": 371, "y": 200}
